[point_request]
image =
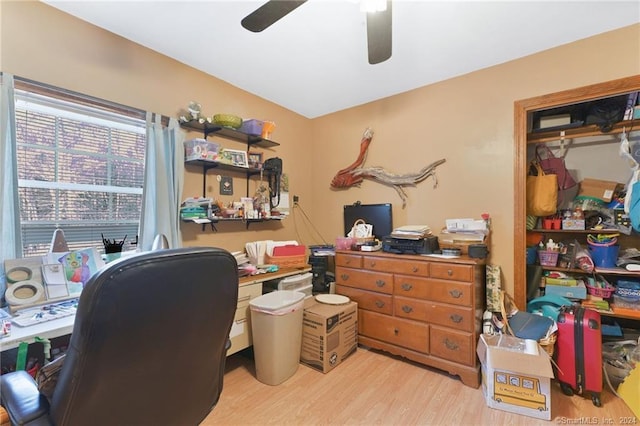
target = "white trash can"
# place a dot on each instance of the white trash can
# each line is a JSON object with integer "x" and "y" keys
{"x": 276, "y": 325}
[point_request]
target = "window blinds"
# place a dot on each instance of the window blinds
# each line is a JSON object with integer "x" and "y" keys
{"x": 80, "y": 169}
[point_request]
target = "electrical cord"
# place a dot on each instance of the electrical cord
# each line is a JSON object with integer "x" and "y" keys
{"x": 297, "y": 206}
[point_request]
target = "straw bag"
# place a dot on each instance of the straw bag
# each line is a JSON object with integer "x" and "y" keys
{"x": 542, "y": 192}
{"x": 361, "y": 231}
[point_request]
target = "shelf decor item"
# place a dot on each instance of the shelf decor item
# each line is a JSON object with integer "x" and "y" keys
{"x": 255, "y": 160}
{"x": 234, "y": 156}
{"x": 228, "y": 120}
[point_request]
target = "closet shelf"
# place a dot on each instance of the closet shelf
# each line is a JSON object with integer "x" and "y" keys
{"x": 583, "y": 131}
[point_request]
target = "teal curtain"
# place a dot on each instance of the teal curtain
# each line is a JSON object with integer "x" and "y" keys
{"x": 163, "y": 181}
{"x": 10, "y": 243}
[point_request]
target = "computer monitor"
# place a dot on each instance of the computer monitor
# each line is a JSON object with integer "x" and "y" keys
{"x": 378, "y": 215}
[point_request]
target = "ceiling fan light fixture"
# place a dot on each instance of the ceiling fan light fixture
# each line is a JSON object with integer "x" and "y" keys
{"x": 373, "y": 5}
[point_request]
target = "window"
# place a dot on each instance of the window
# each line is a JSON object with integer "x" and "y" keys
{"x": 80, "y": 169}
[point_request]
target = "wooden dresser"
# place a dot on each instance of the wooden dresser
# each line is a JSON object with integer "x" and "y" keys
{"x": 423, "y": 308}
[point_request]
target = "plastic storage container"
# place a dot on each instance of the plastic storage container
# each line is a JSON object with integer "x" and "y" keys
{"x": 276, "y": 325}
{"x": 252, "y": 127}
{"x": 200, "y": 149}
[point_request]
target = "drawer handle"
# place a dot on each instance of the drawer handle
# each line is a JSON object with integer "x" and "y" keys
{"x": 396, "y": 331}
{"x": 455, "y": 293}
{"x": 415, "y": 269}
{"x": 407, "y": 286}
{"x": 344, "y": 277}
{"x": 379, "y": 303}
{"x": 451, "y": 345}
{"x": 348, "y": 261}
{"x": 380, "y": 283}
{"x": 245, "y": 298}
{"x": 449, "y": 272}
{"x": 372, "y": 264}
{"x": 456, "y": 318}
{"x": 407, "y": 309}
{"x": 241, "y": 320}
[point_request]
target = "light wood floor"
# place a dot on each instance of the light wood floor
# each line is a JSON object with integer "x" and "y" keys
{"x": 371, "y": 387}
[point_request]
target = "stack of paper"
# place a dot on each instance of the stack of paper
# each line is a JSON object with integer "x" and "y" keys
{"x": 411, "y": 232}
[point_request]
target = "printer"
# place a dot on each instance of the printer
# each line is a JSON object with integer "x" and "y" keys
{"x": 425, "y": 245}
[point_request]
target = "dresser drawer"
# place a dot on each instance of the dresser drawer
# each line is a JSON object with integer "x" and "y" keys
{"x": 451, "y": 316}
{"x": 407, "y": 286}
{"x": 350, "y": 260}
{"x": 413, "y": 309}
{"x": 409, "y": 334}
{"x": 369, "y": 300}
{"x": 456, "y": 293}
{"x": 366, "y": 280}
{"x": 449, "y": 271}
{"x": 396, "y": 266}
{"x": 456, "y": 346}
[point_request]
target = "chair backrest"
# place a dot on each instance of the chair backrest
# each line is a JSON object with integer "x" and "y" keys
{"x": 149, "y": 340}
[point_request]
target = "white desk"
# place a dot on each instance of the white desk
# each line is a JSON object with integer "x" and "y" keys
{"x": 49, "y": 329}
{"x": 64, "y": 326}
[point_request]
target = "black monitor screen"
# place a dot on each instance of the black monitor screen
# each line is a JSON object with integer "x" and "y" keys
{"x": 378, "y": 215}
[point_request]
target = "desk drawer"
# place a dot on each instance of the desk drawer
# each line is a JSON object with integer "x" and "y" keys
{"x": 241, "y": 328}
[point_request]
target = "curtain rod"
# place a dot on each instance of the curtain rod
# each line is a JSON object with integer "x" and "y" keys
{"x": 87, "y": 100}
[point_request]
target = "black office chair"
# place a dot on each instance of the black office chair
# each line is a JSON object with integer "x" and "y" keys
{"x": 148, "y": 345}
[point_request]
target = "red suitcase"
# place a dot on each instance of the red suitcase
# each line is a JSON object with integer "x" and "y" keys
{"x": 579, "y": 352}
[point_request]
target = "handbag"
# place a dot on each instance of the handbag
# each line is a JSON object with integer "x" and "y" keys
{"x": 542, "y": 192}
{"x": 554, "y": 165}
{"x": 47, "y": 376}
{"x": 521, "y": 324}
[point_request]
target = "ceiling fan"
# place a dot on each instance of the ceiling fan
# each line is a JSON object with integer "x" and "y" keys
{"x": 378, "y": 24}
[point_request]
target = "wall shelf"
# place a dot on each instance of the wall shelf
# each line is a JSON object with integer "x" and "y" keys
{"x": 208, "y": 129}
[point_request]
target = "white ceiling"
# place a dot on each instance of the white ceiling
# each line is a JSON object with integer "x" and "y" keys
{"x": 314, "y": 60}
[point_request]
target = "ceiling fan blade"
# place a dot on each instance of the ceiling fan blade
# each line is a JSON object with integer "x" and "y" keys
{"x": 379, "y": 35}
{"x": 269, "y": 13}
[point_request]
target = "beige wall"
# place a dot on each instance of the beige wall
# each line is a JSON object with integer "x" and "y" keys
{"x": 466, "y": 120}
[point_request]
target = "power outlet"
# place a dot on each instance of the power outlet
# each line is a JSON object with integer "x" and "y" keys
{"x": 296, "y": 199}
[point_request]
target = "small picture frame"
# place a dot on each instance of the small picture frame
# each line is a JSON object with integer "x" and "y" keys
{"x": 255, "y": 160}
{"x": 226, "y": 185}
{"x": 236, "y": 157}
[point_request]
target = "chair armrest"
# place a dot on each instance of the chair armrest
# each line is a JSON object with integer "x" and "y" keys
{"x": 22, "y": 400}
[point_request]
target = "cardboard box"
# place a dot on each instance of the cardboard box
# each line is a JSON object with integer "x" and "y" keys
{"x": 601, "y": 189}
{"x": 329, "y": 334}
{"x": 570, "y": 292}
{"x": 573, "y": 224}
{"x": 515, "y": 378}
